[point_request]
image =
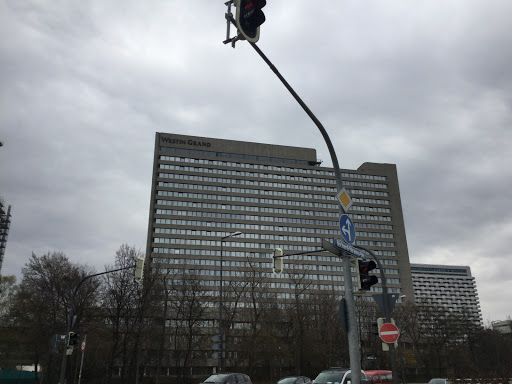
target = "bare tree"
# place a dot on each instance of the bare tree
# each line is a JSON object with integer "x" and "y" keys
{"x": 8, "y": 288}
{"x": 300, "y": 317}
{"x": 42, "y": 302}
{"x": 121, "y": 301}
{"x": 189, "y": 303}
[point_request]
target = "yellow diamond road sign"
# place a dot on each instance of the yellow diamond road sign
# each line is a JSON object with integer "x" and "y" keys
{"x": 344, "y": 199}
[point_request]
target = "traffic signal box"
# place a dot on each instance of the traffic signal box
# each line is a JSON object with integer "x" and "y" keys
{"x": 249, "y": 17}
{"x": 278, "y": 263}
{"x": 73, "y": 339}
{"x": 139, "y": 269}
{"x": 364, "y": 279}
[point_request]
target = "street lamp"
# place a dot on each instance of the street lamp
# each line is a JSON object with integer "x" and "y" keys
{"x": 221, "y": 339}
{"x": 71, "y": 317}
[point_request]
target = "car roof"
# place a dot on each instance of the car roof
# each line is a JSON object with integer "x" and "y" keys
{"x": 374, "y": 371}
{"x": 224, "y": 374}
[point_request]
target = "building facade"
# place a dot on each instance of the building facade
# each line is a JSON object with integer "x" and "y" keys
{"x": 448, "y": 286}
{"x": 205, "y": 189}
{"x": 502, "y": 326}
{"x": 5, "y": 223}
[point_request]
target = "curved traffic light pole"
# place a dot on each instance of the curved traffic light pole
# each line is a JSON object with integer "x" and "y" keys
{"x": 353, "y": 334}
{"x": 70, "y": 322}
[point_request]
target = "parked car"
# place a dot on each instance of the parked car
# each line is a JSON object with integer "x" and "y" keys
{"x": 379, "y": 377}
{"x": 336, "y": 375}
{"x": 439, "y": 381}
{"x": 295, "y": 380}
{"x": 228, "y": 378}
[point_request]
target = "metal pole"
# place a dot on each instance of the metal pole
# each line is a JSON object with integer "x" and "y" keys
{"x": 221, "y": 351}
{"x": 387, "y": 311}
{"x": 82, "y": 361}
{"x": 65, "y": 350}
{"x": 353, "y": 334}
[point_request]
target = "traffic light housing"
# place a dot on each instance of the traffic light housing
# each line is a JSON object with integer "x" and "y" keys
{"x": 364, "y": 279}
{"x": 73, "y": 339}
{"x": 278, "y": 263}
{"x": 139, "y": 268}
{"x": 249, "y": 17}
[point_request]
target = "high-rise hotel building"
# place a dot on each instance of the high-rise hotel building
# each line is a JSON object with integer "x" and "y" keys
{"x": 447, "y": 286}
{"x": 205, "y": 189}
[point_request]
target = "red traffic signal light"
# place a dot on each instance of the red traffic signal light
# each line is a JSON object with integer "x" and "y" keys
{"x": 249, "y": 17}
{"x": 365, "y": 281}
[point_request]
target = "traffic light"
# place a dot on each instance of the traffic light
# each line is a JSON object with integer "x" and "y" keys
{"x": 73, "y": 339}
{"x": 364, "y": 280}
{"x": 139, "y": 268}
{"x": 249, "y": 17}
{"x": 278, "y": 264}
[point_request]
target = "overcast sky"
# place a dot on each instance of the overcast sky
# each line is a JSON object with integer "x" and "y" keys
{"x": 425, "y": 85}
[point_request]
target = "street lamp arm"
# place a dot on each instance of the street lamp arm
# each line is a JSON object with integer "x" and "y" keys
{"x": 94, "y": 275}
{"x": 70, "y": 318}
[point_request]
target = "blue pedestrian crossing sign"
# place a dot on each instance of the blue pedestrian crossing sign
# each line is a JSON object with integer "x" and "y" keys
{"x": 348, "y": 232}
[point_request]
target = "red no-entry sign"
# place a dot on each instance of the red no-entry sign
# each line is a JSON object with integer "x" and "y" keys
{"x": 389, "y": 333}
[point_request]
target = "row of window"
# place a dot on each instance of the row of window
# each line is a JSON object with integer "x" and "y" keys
{"x": 313, "y": 171}
{"x": 276, "y": 219}
{"x": 254, "y": 175}
{"x": 261, "y": 236}
{"x": 305, "y": 278}
{"x": 294, "y": 264}
{"x": 258, "y": 200}
{"x": 272, "y": 285}
{"x": 264, "y": 209}
{"x": 202, "y": 153}
{"x": 210, "y": 243}
{"x": 275, "y": 228}
{"x": 256, "y": 264}
{"x": 246, "y": 191}
{"x": 238, "y": 264}
{"x": 211, "y": 252}
{"x": 316, "y": 188}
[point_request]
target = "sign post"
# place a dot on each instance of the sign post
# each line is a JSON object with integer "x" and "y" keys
{"x": 82, "y": 348}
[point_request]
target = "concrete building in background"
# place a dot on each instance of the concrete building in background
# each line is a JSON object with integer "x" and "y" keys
{"x": 205, "y": 189}
{"x": 502, "y": 326}
{"x": 5, "y": 223}
{"x": 447, "y": 286}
